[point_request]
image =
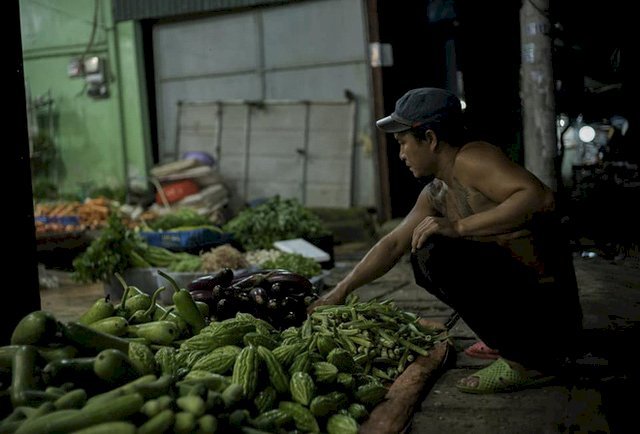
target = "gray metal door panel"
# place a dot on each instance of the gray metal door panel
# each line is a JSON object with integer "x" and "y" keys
{"x": 308, "y": 51}
{"x": 241, "y": 86}
{"x": 197, "y": 128}
{"x": 321, "y": 83}
{"x": 322, "y": 195}
{"x": 300, "y": 149}
{"x": 313, "y": 33}
{"x": 221, "y": 44}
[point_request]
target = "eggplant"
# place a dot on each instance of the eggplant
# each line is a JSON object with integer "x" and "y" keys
{"x": 205, "y": 296}
{"x": 290, "y": 319}
{"x": 225, "y": 309}
{"x": 223, "y": 277}
{"x": 288, "y": 304}
{"x": 250, "y": 281}
{"x": 217, "y": 292}
{"x": 294, "y": 282}
{"x": 276, "y": 290}
{"x": 273, "y": 304}
{"x": 258, "y": 295}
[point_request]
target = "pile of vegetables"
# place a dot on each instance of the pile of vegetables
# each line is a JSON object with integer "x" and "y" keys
{"x": 294, "y": 262}
{"x": 224, "y": 256}
{"x": 276, "y": 219}
{"x": 180, "y": 218}
{"x": 119, "y": 248}
{"x": 277, "y": 259}
{"x": 278, "y": 296}
{"x": 239, "y": 375}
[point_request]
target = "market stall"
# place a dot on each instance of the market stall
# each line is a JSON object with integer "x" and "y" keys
{"x": 359, "y": 366}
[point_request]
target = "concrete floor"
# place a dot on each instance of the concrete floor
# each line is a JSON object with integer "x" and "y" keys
{"x": 596, "y": 402}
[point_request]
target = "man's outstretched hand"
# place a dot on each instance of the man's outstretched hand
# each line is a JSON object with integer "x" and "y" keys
{"x": 335, "y": 296}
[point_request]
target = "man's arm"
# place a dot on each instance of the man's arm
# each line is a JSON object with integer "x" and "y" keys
{"x": 518, "y": 193}
{"x": 382, "y": 256}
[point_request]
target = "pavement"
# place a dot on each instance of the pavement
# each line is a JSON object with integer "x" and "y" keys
{"x": 595, "y": 399}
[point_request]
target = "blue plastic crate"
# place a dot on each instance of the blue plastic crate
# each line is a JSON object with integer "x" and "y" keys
{"x": 63, "y": 220}
{"x": 186, "y": 240}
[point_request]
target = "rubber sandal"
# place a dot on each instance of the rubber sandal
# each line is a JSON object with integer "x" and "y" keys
{"x": 480, "y": 350}
{"x": 500, "y": 377}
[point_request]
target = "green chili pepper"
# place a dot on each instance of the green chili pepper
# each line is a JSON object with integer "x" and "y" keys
{"x": 185, "y": 305}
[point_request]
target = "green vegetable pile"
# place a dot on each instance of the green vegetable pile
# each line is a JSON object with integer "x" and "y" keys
{"x": 295, "y": 263}
{"x": 137, "y": 367}
{"x": 113, "y": 251}
{"x": 276, "y": 219}
{"x": 182, "y": 217}
{"x": 119, "y": 248}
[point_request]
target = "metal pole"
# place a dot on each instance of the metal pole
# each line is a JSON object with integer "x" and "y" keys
{"x": 384, "y": 189}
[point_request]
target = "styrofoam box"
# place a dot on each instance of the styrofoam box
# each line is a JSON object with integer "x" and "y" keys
{"x": 302, "y": 247}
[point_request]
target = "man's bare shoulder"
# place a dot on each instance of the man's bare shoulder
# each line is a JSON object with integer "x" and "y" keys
{"x": 478, "y": 147}
{"x": 474, "y": 153}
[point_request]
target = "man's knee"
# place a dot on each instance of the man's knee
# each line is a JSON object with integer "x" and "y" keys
{"x": 437, "y": 247}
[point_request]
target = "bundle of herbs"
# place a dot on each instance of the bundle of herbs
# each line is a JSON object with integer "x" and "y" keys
{"x": 180, "y": 218}
{"x": 115, "y": 250}
{"x": 276, "y": 219}
{"x": 119, "y": 248}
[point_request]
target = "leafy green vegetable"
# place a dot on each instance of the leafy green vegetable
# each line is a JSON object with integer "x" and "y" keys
{"x": 113, "y": 251}
{"x": 276, "y": 219}
{"x": 187, "y": 217}
{"x": 295, "y": 263}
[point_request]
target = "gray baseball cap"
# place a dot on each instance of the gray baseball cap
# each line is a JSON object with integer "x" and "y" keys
{"x": 423, "y": 106}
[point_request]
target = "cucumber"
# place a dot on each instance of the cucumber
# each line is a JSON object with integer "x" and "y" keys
{"x": 78, "y": 370}
{"x": 35, "y": 328}
{"x": 159, "y": 423}
{"x": 51, "y": 354}
{"x": 115, "y": 367}
{"x": 102, "y": 308}
{"x": 6, "y": 356}
{"x": 23, "y": 377}
{"x": 115, "y": 325}
{"x": 92, "y": 340}
{"x": 125, "y": 389}
{"x": 73, "y": 399}
{"x": 109, "y": 428}
{"x": 73, "y": 420}
{"x": 158, "y": 332}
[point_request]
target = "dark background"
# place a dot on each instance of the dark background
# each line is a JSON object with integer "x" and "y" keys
{"x": 593, "y": 50}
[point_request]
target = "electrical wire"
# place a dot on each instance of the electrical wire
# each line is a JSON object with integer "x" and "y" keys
{"x": 94, "y": 26}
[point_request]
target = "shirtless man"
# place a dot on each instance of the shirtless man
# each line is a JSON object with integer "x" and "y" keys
{"x": 484, "y": 239}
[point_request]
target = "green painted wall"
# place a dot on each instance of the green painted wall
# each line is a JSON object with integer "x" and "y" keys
{"x": 100, "y": 142}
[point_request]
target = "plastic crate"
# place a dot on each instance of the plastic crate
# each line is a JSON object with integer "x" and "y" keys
{"x": 63, "y": 220}
{"x": 197, "y": 239}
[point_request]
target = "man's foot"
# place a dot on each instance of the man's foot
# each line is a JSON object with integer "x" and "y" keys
{"x": 480, "y": 350}
{"x": 502, "y": 376}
